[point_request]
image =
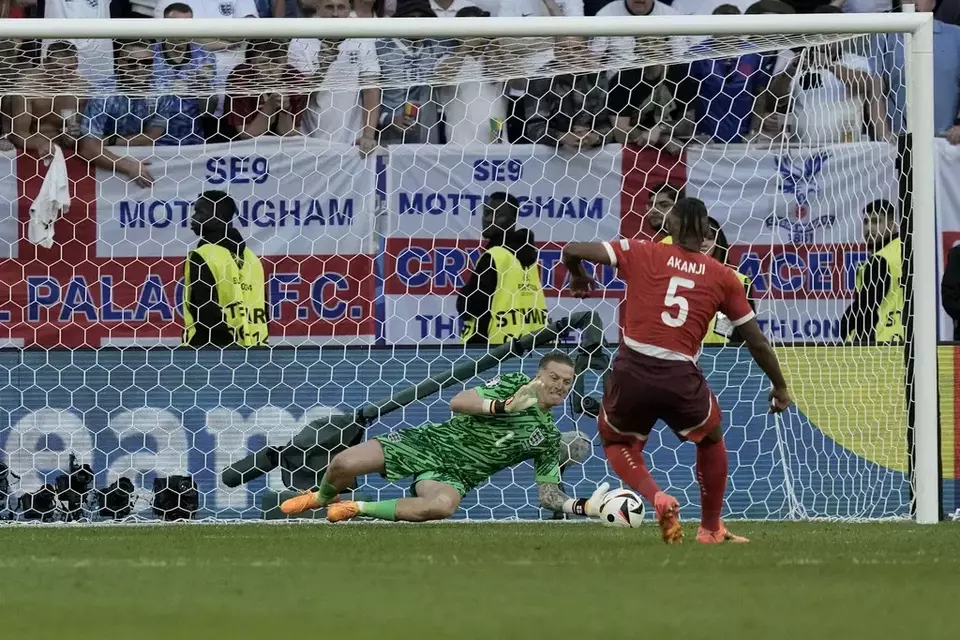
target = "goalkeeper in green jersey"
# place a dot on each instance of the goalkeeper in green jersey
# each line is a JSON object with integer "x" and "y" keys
{"x": 504, "y": 422}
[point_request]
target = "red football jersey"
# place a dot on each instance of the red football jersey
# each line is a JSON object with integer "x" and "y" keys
{"x": 672, "y": 294}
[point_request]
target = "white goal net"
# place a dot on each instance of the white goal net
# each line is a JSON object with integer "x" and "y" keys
{"x": 360, "y": 168}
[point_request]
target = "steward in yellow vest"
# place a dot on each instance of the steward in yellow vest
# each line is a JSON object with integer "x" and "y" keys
{"x": 223, "y": 296}
{"x": 875, "y": 316}
{"x": 503, "y": 299}
{"x": 717, "y": 246}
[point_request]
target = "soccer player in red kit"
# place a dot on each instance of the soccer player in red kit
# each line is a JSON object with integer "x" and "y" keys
{"x": 673, "y": 291}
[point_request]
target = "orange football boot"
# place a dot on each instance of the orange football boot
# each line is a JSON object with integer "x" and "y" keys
{"x": 705, "y": 536}
{"x": 345, "y": 510}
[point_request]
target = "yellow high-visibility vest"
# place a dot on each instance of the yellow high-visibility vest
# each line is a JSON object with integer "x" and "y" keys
{"x": 889, "y": 329}
{"x": 240, "y": 294}
{"x": 518, "y": 307}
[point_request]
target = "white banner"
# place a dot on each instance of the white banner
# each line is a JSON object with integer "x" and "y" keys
{"x": 438, "y": 191}
{"x": 296, "y": 196}
{"x": 432, "y": 319}
{"x": 793, "y": 196}
{"x": 435, "y": 196}
{"x": 9, "y": 222}
{"x": 948, "y": 217}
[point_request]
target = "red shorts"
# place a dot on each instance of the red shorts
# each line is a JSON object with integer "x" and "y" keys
{"x": 641, "y": 390}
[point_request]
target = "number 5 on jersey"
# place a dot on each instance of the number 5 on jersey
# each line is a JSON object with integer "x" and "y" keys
{"x": 678, "y": 301}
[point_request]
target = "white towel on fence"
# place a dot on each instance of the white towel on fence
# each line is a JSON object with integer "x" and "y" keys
{"x": 52, "y": 201}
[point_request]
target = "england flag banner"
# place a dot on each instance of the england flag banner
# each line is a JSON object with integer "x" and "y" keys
{"x": 435, "y": 197}
{"x": 794, "y": 220}
{"x": 114, "y": 276}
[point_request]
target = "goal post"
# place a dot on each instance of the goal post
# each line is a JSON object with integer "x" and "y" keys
{"x": 362, "y": 304}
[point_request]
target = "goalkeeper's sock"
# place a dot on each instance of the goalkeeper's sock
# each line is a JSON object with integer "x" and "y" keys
{"x": 327, "y": 491}
{"x": 386, "y": 510}
{"x": 712, "y": 476}
{"x": 628, "y": 463}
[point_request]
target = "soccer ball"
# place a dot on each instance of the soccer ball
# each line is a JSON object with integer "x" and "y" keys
{"x": 622, "y": 508}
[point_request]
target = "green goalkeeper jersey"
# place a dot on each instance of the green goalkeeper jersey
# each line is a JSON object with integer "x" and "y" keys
{"x": 475, "y": 447}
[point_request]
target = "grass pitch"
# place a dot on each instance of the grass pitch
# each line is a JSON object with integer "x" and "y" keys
{"x": 458, "y": 581}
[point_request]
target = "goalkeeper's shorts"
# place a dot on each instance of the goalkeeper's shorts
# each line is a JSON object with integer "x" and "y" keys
{"x": 409, "y": 453}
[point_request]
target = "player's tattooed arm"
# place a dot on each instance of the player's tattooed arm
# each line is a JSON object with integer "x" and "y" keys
{"x": 551, "y": 496}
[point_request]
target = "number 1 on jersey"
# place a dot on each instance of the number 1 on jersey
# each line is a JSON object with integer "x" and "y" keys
{"x": 673, "y": 300}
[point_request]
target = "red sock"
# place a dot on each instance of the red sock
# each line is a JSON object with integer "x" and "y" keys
{"x": 627, "y": 461}
{"x": 712, "y": 476}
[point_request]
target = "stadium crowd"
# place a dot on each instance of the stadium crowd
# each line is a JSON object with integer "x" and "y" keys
{"x": 390, "y": 91}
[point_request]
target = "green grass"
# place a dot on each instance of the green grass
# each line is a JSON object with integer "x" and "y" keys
{"x": 530, "y": 581}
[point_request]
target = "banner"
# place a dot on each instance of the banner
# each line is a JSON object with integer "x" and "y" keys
{"x": 797, "y": 196}
{"x": 114, "y": 274}
{"x": 948, "y": 217}
{"x": 793, "y": 217}
{"x": 435, "y": 197}
{"x": 9, "y": 223}
{"x": 295, "y": 196}
{"x": 813, "y": 462}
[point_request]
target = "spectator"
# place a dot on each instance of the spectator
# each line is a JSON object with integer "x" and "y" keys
{"x": 50, "y": 116}
{"x": 448, "y": 8}
{"x": 864, "y": 6}
{"x": 118, "y": 118}
{"x": 340, "y": 111}
{"x": 95, "y": 56}
{"x": 476, "y": 109}
{"x": 875, "y": 314}
{"x": 948, "y": 11}
{"x": 769, "y": 8}
{"x": 224, "y": 301}
{"x": 366, "y": 8}
{"x": 409, "y": 112}
{"x": 660, "y": 201}
{"x": 648, "y": 108}
{"x": 567, "y": 110}
{"x": 541, "y": 8}
{"x": 950, "y": 290}
{"x": 184, "y": 72}
{"x": 888, "y": 61}
{"x": 229, "y": 52}
{"x": 727, "y": 90}
{"x": 710, "y": 7}
{"x": 830, "y": 89}
{"x": 503, "y": 299}
{"x": 254, "y": 113}
{"x": 623, "y": 49}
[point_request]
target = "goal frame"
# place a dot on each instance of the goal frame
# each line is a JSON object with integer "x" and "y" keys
{"x": 918, "y": 30}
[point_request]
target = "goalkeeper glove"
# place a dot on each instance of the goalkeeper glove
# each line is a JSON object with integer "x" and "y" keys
{"x": 589, "y": 507}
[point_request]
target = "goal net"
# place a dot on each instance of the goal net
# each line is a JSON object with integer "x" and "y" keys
{"x": 361, "y": 160}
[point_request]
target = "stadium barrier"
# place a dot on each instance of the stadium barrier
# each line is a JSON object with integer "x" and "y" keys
{"x": 165, "y": 412}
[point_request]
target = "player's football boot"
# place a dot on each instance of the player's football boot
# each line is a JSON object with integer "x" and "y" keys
{"x": 304, "y": 502}
{"x": 705, "y": 536}
{"x": 668, "y": 517}
{"x": 345, "y": 510}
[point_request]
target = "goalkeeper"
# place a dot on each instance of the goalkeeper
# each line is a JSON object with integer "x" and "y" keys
{"x": 504, "y": 422}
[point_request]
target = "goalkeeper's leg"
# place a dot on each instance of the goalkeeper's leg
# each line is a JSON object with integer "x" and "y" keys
{"x": 435, "y": 500}
{"x": 358, "y": 460}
